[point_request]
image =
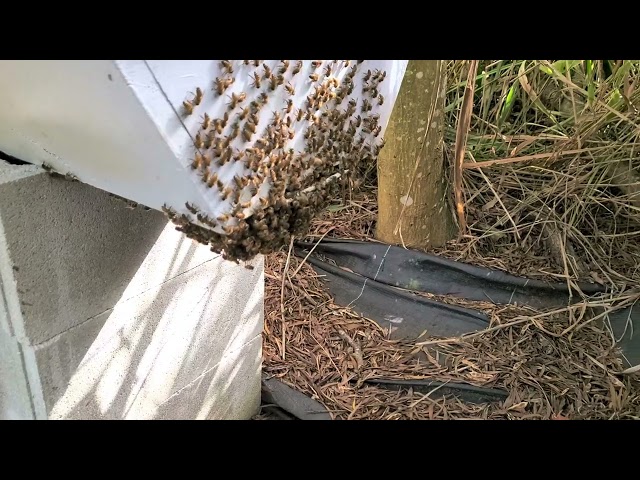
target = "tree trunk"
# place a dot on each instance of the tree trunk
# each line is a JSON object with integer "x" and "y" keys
{"x": 413, "y": 209}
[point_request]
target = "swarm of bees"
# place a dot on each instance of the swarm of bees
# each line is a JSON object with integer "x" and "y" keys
{"x": 280, "y": 152}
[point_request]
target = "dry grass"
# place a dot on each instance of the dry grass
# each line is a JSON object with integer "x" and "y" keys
{"x": 557, "y": 198}
{"x": 552, "y": 174}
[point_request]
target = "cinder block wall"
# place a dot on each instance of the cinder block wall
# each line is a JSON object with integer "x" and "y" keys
{"x": 107, "y": 312}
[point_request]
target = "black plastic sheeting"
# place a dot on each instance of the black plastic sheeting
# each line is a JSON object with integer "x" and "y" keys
{"x": 424, "y": 272}
{"x": 382, "y": 264}
{"x": 290, "y": 403}
{"x": 464, "y": 391}
{"x": 625, "y": 324}
{"x": 406, "y": 314}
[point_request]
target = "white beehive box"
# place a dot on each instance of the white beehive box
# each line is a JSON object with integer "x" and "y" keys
{"x": 122, "y": 126}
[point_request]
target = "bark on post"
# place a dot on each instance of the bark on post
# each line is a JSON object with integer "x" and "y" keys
{"x": 412, "y": 188}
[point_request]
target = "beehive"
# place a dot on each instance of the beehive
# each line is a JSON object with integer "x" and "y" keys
{"x": 248, "y": 151}
{"x": 284, "y": 141}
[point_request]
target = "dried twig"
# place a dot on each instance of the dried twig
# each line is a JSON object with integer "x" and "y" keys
{"x": 464, "y": 121}
{"x": 284, "y": 276}
{"x": 357, "y": 353}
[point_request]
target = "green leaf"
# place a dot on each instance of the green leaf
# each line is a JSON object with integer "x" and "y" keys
{"x": 336, "y": 208}
{"x": 508, "y": 104}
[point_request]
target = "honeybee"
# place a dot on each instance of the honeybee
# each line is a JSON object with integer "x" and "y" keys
{"x": 351, "y": 108}
{"x": 314, "y": 77}
{"x": 220, "y": 85}
{"x": 267, "y": 71}
{"x": 256, "y": 80}
{"x": 245, "y": 62}
{"x": 255, "y": 106}
{"x": 246, "y": 135}
{"x": 377, "y": 148}
{"x": 273, "y": 83}
{"x": 299, "y": 115}
{"x": 226, "y": 65}
{"x": 244, "y": 113}
{"x": 316, "y": 63}
{"x": 213, "y": 178}
{"x": 297, "y": 67}
{"x": 198, "y": 141}
{"x": 226, "y": 193}
{"x": 367, "y": 76}
{"x": 225, "y": 119}
{"x": 236, "y": 99}
{"x": 217, "y": 126}
{"x": 197, "y": 161}
{"x": 289, "y": 106}
{"x": 310, "y": 102}
{"x": 276, "y": 118}
{"x": 256, "y": 63}
{"x": 380, "y": 99}
{"x": 327, "y": 70}
{"x": 289, "y": 88}
{"x": 284, "y": 67}
{"x": 197, "y": 99}
{"x": 250, "y": 126}
{"x": 223, "y": 218}
{"x": 206, "y": 122}
{"x": 366, "y": 106}
{"x": 235, "y": 130}
{"x": 188, "y": 107}
{"x": 264, "y": 98}
{"x": 377, "y": 130}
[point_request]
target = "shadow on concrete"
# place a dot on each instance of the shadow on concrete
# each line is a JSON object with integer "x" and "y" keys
{"x": 202, "y": 365}
{"x": 85, "y": 253}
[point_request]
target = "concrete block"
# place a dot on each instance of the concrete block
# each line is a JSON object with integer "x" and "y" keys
{"x": 15, "y": 403}
{"x": 212, "y": 389}
{"x": 157, "y": 343}
{"x": 73, "y": 248}
{"x": 109, "y": 312}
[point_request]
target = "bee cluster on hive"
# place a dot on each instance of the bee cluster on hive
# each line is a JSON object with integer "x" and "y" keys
{"x": 278, "y": 150}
